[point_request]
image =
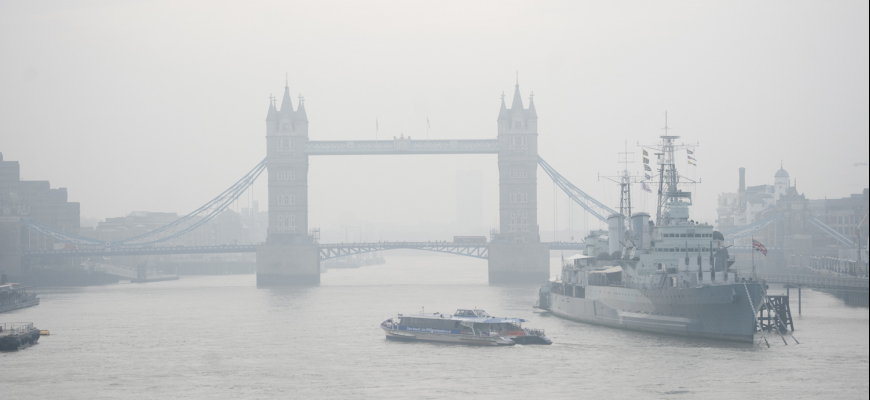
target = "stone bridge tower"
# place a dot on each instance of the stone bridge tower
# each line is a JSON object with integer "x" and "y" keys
{"x": 516, "y": 254}
{"x": 289, "y": 255}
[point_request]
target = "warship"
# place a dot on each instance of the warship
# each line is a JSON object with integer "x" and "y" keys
{"x": 670, "y": 276}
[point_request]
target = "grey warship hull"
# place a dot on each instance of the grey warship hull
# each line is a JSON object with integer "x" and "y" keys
{"x": 720, "y": 312}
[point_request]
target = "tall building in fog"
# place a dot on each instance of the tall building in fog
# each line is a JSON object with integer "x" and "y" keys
{"x": 37, "y": 201}
{"x": 469, "y": 202}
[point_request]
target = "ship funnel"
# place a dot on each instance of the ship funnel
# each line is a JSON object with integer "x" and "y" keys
{"x": 640, "y": 230}
{"x": 616, "y": 227}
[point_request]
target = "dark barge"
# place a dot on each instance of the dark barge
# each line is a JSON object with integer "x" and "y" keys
{"x": 15, "y": 335}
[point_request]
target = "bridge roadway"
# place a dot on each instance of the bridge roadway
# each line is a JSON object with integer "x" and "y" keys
{"x": 401, "y": 146}
{"x": 327, "y": 250}
{"x": 819, "y": 282}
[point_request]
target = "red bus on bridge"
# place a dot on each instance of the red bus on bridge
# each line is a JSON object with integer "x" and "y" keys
{"x": 469, "y": 239}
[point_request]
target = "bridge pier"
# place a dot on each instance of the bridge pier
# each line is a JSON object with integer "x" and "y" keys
{"x": 280, "y": 264}
{"x": 518, "y": 262}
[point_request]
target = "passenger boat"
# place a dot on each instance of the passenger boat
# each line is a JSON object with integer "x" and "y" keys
{"x": 472, "y": 327}
{"x": 14, "y": 296}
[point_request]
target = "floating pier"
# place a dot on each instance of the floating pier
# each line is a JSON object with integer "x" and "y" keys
{"x": 15, "y": 335}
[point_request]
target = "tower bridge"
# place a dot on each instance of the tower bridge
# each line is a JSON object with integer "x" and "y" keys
{"x": 290, "y": 256}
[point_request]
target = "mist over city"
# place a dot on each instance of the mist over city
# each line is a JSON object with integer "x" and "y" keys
{"x": 339, "y": 199}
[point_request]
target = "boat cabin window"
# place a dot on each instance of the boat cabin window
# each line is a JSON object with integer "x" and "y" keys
{"x": 433, "y": 323}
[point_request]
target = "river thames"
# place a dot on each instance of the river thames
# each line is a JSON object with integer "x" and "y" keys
{"x": 222, "y": 337}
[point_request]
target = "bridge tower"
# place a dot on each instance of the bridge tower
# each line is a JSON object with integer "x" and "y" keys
{"x": 516, "y": 254}
{"x": 289, "y": 256}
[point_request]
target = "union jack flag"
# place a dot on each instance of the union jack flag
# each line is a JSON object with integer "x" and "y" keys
{"x": 757, "y": 246}
{"x": 645, "y": 187}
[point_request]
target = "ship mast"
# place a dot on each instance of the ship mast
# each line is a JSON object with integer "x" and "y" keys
{"x": 668, "y": 177}
{"x": 669, "y": 194}
{"x": 624, "y": 180}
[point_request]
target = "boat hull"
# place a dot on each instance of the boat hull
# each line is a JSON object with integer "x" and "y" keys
{"x": 15, "y": 306}
{"x": 399, "y": 335}
{"x": 720, "y": 312}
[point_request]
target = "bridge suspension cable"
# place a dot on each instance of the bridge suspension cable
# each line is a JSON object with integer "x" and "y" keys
{"x": 58, "y": 234}
{"x": 830, "y": 231}
{"x": 592, "y": 206}
{"x": 170, "y": 231}
{"x": 746, "y": 230}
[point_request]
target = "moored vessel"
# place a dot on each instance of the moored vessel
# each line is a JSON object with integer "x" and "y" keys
{"x": 470, "y": 327}
{"x": 669, "y": 276}
{"x": 15, "y": 295}
{"x": 15, "y": 335}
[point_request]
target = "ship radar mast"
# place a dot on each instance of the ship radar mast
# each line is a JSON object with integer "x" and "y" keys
{"x": 624, "y": 179}
{"x": 673, "y": 203}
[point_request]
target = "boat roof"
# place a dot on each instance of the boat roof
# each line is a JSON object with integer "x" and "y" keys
{"x": 608, "y": 270}
{"x": 579, "y": 257}
{"x": 481, "y": 318}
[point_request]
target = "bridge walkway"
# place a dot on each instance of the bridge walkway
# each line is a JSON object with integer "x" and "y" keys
{"x": 327, "y": 250}
{"x": 819, "y": 282}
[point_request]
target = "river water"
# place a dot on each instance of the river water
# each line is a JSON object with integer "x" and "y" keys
{"x": 222, "y": 337}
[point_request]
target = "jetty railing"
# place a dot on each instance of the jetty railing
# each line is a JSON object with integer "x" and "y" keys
{"x": 819, "y": 282}
{"x": 16, "y": 328}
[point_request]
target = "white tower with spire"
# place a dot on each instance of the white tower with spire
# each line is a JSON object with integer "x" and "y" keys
{"x": 518, "y": 167}
{"x": 287, "y": 166}
{"x": 516, "y": 254}
{"x": 289, "y": 256}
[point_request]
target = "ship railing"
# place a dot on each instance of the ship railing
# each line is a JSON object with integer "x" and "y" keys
{"x": 527, "y": 331}
{"x": 832, "y": 282}
{"x": 534, "y": 332}
{"x": 480, "y": 335}
{"x": 16, "y": 328}
{"x": 24, "y": 298}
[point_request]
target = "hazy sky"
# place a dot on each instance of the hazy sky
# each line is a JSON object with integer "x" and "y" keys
{"x": 161, "y": 105}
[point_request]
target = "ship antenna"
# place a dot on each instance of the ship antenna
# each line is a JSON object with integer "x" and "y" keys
{"x": 666, "y": 123}
{"x": 624, "y": 180}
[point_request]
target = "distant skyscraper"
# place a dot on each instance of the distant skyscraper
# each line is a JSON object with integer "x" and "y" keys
{"x": 469, "y": 203}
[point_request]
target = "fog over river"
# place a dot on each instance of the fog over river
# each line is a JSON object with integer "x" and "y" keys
{"x": 222, "y": 337}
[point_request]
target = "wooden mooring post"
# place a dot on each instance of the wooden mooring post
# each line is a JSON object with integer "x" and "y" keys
{"x": 775, "y": 313}
{"x": 787, "y": 287}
